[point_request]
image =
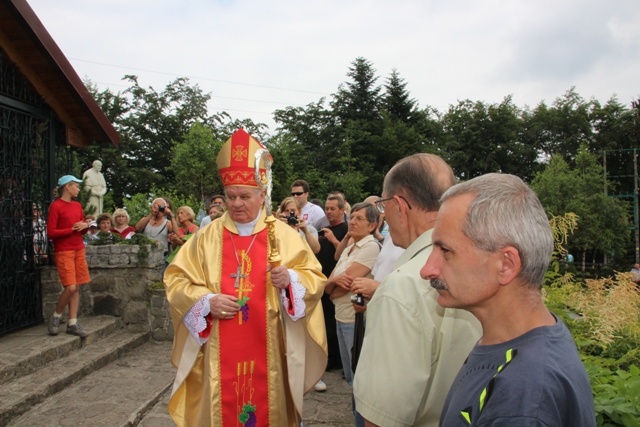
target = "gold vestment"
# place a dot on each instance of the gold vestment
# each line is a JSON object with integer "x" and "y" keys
{"x": 195, "y": 272}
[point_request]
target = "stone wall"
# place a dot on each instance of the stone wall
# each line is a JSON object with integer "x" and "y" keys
{"x": 120, "y": 286}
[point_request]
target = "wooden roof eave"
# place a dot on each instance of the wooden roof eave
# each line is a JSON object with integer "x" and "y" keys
{"x": 28, "y": 44}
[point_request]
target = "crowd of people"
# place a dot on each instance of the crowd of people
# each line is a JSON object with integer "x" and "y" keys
{"x": 427, "y": 297}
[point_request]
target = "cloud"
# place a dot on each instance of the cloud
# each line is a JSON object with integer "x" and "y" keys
{"x": 256, "y": 56}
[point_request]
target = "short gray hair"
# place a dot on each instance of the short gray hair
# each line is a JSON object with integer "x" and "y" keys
{"x": 422, "y": 178}
{"x": 370, "y": 211}
{"x": 506, "y": 212}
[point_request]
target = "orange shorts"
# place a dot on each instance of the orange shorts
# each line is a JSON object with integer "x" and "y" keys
{"x": 72, "y": 267}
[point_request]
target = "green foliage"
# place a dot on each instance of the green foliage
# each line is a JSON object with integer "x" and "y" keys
{"x": 480, "y": 138}
{"x": 604, "y": 220}
{"x": 176, "y": 199}
{"x": 396, "y": 101}
{"x": 149, "y": 123}
{"x": 616, "y": 392}
{"x": 350, "y": 143}
{"x": 156, "y": 286}
{"x": 106, "y": 238}
{"x": 137, "y": 207}
{"x": 194, "y": 163}
{"x": 564, "y": 127}
{"x": 140, "y": 204}
{"x": 561, "y": 228}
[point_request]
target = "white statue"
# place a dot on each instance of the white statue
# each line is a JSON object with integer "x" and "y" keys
{"x": 94, "y": 181}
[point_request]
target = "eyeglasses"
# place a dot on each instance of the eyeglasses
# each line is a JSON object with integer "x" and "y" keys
{"x": 358, "y": 219}
{"x": 380, "y": 203}
{"x": 297, "y": 193}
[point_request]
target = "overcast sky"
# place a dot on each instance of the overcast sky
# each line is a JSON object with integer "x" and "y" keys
{"x": 256, "y": 56}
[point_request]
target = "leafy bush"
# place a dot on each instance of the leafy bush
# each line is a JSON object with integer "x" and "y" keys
{"x": 616, "y": 392}
{"x": 107, "y": 238}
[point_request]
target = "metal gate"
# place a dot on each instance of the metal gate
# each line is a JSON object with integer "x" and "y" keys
{"x": 28, "y": 135}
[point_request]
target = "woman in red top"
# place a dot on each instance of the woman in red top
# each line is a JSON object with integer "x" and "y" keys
{"x": 186, "y": 218}
{"x": 65, "y": 226}
{"x": 122, "y": 227}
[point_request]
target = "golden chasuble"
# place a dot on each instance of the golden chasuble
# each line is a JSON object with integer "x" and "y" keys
{"x": 206, "y": 394}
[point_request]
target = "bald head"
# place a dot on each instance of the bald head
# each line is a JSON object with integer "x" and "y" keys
{"x": 371, "y": 200}
{"x": 421, "y": 178}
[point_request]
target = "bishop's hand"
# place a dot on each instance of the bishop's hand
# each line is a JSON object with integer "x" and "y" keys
{"x": 224, "y": 306}
{"x": 280, "y": 276}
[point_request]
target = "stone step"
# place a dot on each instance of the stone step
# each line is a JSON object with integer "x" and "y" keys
{"x": 120, "y": 394}
{"x": 32, "y": 348}
{"x": 50, "y": 364}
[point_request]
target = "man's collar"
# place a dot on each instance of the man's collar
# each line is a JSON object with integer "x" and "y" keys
{"x": 246, "y": 229}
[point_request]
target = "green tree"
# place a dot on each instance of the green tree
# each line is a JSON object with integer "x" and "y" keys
{"x": 603, "y": 229}
{"x": 555, "y": 186}
{"x": 613, "y": 126}
{"x": 357, "y": 107}
{"x": 406, "y": 130}
{"x": 560, "y": 129}
{"x": 308, "y": 136}
{"x": 149, "y": 122}
{"x": 193, "y": 163}
{"x": 479, "y": 138}
{"x": 397, "y": 101}
{"x": 283, "y": 172}
{"x": 158, "y": 119}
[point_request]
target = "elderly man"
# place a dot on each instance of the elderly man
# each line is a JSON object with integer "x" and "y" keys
{"x": 96, "y": 184}
{"x": 412, "y": 348}
{"x": 492, "y": 246}
{"x": 232, "y": 310}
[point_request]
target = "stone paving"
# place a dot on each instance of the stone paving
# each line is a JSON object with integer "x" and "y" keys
{"x": 134, "y": 390}
{"x": 331, "y": 408}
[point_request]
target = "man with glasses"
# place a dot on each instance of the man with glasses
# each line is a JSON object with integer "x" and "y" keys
{"x": 413, "y": 348}
{"x": 311, "y": 213}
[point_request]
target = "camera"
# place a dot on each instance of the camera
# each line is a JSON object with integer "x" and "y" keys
{"x": 161, "y": 208}
{"x": 357, "y": 299}
{"x": 292, "y": 219}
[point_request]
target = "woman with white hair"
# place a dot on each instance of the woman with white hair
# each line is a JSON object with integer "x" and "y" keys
{"x": 122, "y": 227}
{"x": 158, "y": 224}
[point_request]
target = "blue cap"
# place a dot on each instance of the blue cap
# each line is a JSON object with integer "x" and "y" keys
{"x": 67, "y": 179}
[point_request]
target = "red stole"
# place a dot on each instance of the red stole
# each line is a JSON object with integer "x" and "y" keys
{"x": 243, "y": 339}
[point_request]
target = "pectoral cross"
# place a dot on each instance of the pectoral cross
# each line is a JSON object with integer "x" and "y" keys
{"x": 238, "y": 275}
{"x": 242, "y": 283}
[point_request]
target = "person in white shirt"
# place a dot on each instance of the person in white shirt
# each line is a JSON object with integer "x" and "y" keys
{"x": 215, "y": 211}
{"x": 312, "y": 214}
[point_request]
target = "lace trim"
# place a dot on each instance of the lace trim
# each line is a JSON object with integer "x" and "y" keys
{"x": 195, "y": 320}
{"x": 298, "y": 292}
